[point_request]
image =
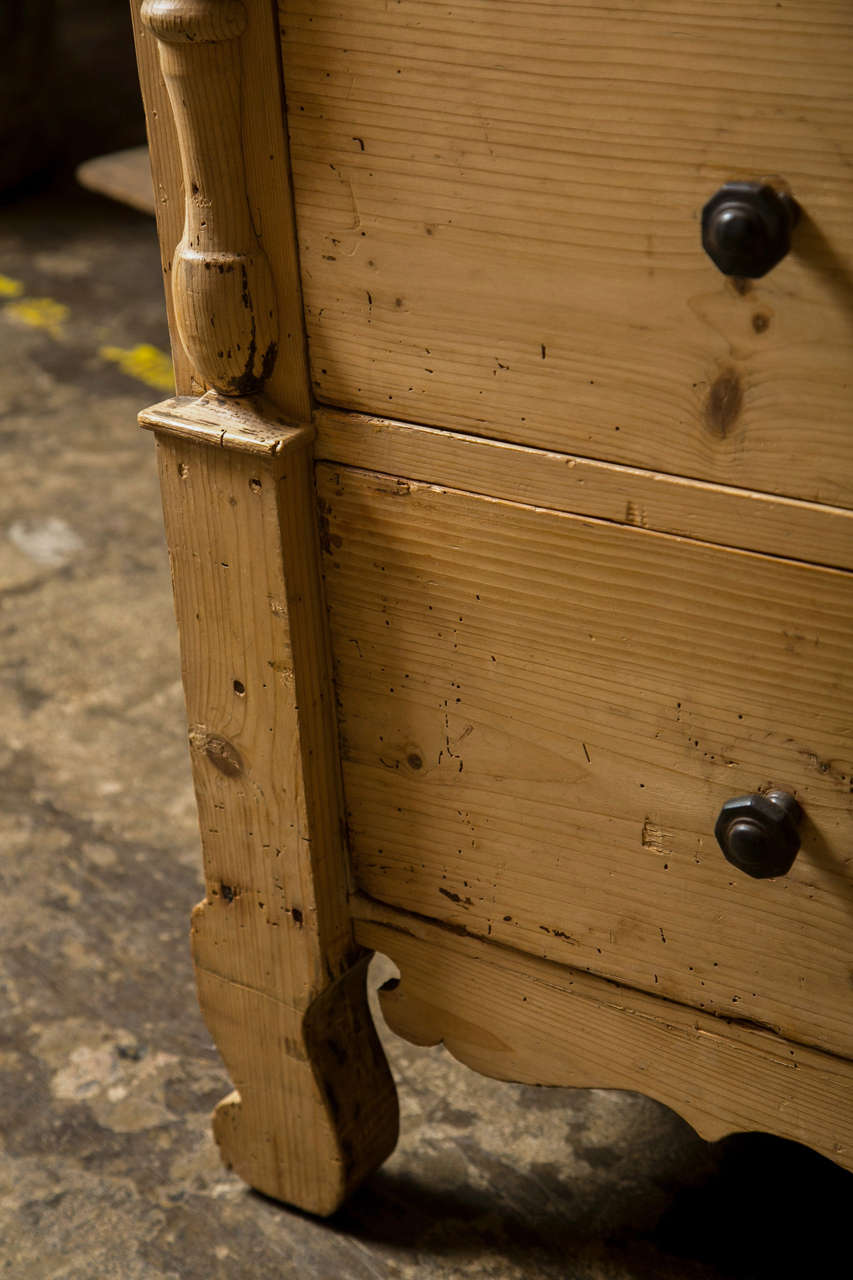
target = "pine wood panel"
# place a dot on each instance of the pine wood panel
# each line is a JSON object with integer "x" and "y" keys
{"x": 234, "y": 146}
{"x": 281, "y": 981}
{"x": 520, "y": 1018}
{"x": 541, "y": 716}
{"x": 498, "y": 213}
{"x": 628, "y": 495}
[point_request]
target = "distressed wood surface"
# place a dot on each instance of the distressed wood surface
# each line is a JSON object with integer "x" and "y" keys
{"x": 232, "y": 205}
{"x": 247, "y": 425}
{"x": 166, "y": 178}
{"x": 541, "y": 716}
{"x": 498, "y": 209}
{"x": 225, "y": 305}
{"x": 280, "y": 980}
{"x": 563, "y": 482}
{"x": 520, "y": 1018}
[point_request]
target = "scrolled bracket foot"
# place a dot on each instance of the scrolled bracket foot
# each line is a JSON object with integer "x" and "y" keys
{"x": 315, "y": 1109}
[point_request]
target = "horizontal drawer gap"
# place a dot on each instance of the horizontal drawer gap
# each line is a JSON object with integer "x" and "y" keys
{"x": 723, "y": 515}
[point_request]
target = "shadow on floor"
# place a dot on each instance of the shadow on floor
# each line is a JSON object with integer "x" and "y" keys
{"x": 750, "y": 1207}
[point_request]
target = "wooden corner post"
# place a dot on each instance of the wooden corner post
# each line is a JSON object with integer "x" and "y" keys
{"x": 280, "y": 980}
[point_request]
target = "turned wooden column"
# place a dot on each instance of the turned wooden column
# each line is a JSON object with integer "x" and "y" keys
{"x": 281, "y": 982}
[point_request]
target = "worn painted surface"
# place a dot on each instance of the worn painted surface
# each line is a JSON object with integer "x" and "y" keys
{"x": 107, "y": 1076}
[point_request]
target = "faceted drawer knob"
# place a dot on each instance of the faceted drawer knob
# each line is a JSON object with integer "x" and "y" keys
{"x": 758, "y": 834}
{"x": 746, "y": 228}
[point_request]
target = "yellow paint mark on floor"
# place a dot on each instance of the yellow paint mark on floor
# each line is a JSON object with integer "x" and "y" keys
{"x": 40, "y": 313}
{"x": 147, "y": 363}
{"x": 144, "y": 362}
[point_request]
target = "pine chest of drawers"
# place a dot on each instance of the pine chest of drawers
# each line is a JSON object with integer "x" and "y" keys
{"x": 508, "y": 494}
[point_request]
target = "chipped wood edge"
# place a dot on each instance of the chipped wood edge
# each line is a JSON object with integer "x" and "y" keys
{"x": 279, "y": 993}
{"x": 280, "y": 979}
{"x": 521, "y": 1018}
{"x": 719, "y": 514}
{"x": 225, "y": 165}
{"x": 223, "y": 292}
{"x": 212, "y": 419}
{"x": 326, "y": 1115}
{"x": 279, "y": 976}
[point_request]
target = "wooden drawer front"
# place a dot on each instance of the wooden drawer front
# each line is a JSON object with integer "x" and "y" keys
{"x": 541, "y": 716}
{"x": 498, "y": 209}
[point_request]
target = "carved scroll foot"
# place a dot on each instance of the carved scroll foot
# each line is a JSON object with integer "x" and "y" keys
{"x": 315, "y": 1110}
{"x": 281, "y": 981}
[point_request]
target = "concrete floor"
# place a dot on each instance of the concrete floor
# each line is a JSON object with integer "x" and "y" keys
{"x": 107, "y": 1075}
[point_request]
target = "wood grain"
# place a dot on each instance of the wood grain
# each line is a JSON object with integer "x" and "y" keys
{"x": 540, "y": 713}
{"x": 563, "y": 482}
{"x": 280, "y": 979}
{"x": 247, "y": 425}
{"x": 314, "y": 1110}
{"x": 498, "y": 209}
{"x": 272, "y": 941}
{"x": 225, "y": 305}
{"x": 165, "y": 176}
{"x": 541, "y": 716}
{"x": 235, "y": 154}
{"x": 520, "y": 1018}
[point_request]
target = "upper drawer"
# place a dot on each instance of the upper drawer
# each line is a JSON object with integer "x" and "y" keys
{"x": 498, "y": 208}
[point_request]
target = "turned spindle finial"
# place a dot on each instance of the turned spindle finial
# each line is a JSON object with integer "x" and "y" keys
{"x": 194, "y": 21}
{"x": 223, "y": 292}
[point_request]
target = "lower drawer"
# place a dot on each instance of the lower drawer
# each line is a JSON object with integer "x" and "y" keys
{"x": 541, "y": 716}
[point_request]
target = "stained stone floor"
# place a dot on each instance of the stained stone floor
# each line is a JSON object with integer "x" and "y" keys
{"x": 107, "y": 1075}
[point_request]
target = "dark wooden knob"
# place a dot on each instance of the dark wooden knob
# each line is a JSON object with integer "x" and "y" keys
{"x": 746, "y": 228}
{"x": 758, "y": 834}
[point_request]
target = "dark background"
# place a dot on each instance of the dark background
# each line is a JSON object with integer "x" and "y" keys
{"x": 68, "y": 88}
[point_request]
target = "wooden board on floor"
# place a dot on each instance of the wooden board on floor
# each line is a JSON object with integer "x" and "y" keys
{"x": 122, "y": 175}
